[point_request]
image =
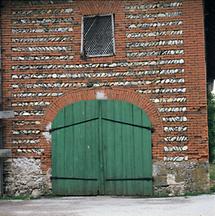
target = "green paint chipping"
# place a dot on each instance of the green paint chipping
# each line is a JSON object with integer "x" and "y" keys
{"x": 101, "y": 147}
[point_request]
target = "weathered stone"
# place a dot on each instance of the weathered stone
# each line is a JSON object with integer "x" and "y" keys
{"x": 36, "y": 193}
{"x": 179, "y": 178}
{"x": 23, "y": 176}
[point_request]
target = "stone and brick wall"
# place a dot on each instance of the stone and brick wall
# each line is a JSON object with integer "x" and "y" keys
{"x": 159, "y": 65}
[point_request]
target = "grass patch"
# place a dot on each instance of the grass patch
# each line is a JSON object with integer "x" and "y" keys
{"x": 6, "y": 197}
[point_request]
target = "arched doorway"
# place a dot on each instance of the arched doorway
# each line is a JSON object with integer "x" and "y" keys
{"x": 101, "y": 147}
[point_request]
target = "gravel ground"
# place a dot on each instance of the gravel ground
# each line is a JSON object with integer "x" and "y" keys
{"x": 203, "y": 205}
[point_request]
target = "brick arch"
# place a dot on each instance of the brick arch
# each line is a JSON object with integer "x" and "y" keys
{"x": 73, "y": 96}
{"x": 130, "y": 96}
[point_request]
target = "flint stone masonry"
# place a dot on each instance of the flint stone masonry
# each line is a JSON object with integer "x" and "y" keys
{"x": 154, "y": 34}
{"x": 172, "y": 109}
{"x": 154, "y": 15}
{"x": 43, "y": 21}
{"x": 176, "y": 158}
{"x": 25, "y": 141}
{"x": 41, "y": 39}
{"x": 25, "y": 132}
{"x": 155, "y": 53}
{"x": 68, "y": 85}
{"x": 154, "y": 25}
{"x": 29, "y": 113}
{"x": 36, "y": 151}
{"x": 175, "y": 119}
{"x": 85, "y": 75}
{"x": 27, "y": 122}
{"x": 176, "y": 139}
{"x": 175, "y": 148}
{"x": 40, "y": 2}
{"x": 29, "y": 104}
{"x": 41, "y": 49}
{"x": 163, "y": 91}
{"x": 42, "y": 12}
{"x": 42, "y": 30}
{"x": 99, "y": 65}
{"x": 175, "y": 128}
{"x": 38, "y": 94}
{"x": 169, "y": 100}
{"x": 155, "y": 5}
{"x": 23, "y": 176}
{"x": 41, "y": 58}
{"x": 155, "y": 43}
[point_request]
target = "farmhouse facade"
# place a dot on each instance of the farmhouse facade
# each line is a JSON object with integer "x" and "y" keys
{"x": 109, "y": 97}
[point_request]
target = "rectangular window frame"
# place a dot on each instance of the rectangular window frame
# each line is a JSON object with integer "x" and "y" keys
{"x": 113, "y": 38}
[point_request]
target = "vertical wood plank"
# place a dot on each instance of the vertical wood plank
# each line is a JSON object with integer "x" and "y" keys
{"x": 102, "y": 140}
{"x": 127, "y": 149}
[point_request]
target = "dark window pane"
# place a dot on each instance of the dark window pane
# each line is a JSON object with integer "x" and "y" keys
{"x": 98, "y": 36}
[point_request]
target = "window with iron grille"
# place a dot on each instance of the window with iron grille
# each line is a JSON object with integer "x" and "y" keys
{"x": 98, "y": 36}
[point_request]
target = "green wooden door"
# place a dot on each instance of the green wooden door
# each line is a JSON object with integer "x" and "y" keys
{"x": 101, "y": 147}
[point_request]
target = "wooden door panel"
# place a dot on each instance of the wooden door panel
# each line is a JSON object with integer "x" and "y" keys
{"x": 127, "y": 158}
{"x": 75, "y": 167}
{"x": 101, "y": 147}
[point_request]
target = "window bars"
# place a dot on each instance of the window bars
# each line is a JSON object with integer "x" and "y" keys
{"x": 98, "y": 36}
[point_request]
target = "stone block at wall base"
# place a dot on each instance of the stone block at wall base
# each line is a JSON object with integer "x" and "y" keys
{"x": 24, "y": 177}
{"x": 180, "y": 178}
